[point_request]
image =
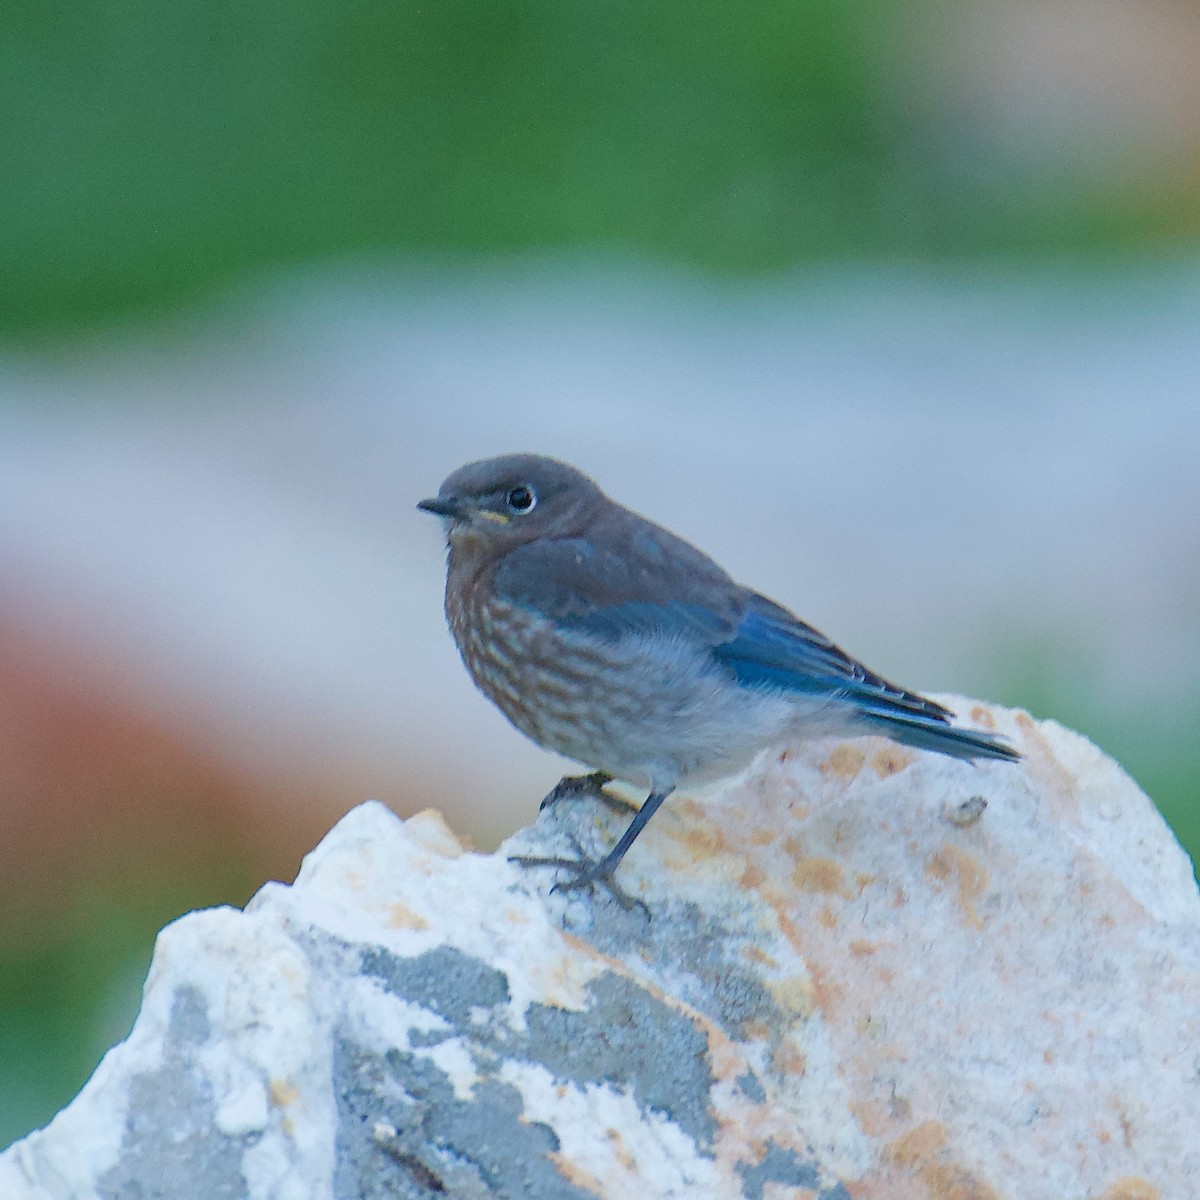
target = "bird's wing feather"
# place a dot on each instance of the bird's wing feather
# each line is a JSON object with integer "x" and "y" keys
{"x": 637, "y": 578}
{"x": 773, "y": 648}
{"x": 654, "y": 583}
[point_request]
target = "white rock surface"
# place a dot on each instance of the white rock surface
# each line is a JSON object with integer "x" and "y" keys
{"x": 854, "y": 981}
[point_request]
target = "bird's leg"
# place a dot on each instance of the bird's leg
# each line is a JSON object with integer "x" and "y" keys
{"x": 614, "y": 889}
{"x": 588, "y": 872}
{"x": 579, "y": 787}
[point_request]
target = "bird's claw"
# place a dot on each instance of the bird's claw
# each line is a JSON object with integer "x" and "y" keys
{"x": 590, "y": 786}
{"x": 587, "y": 873}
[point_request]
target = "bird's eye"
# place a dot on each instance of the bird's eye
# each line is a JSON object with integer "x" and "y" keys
{"x": 521, "y": 499}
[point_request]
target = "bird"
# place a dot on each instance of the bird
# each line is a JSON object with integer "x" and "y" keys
{"x": 606, "y": 638}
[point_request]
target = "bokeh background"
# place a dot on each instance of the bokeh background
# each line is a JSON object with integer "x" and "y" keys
{"x": 895, "y": 308}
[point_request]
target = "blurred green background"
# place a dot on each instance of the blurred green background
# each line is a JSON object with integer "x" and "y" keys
{"x": 155, "y": 151}
{"x": 158, "y": 155}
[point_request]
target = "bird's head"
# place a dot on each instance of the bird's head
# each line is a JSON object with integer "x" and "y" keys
{"x": 496, "y": 504}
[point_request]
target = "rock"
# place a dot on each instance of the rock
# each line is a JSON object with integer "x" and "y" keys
{"x": 861, "y": 971}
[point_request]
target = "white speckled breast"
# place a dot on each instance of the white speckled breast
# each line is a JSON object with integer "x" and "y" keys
{"x": 648, "y": 709}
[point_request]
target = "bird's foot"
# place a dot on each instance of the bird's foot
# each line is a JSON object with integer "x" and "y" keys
{"x": 587, "y": 873}
{"x": 591, "y": 786}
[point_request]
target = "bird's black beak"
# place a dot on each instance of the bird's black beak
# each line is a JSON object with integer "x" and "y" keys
{"x": 444, "y": 506}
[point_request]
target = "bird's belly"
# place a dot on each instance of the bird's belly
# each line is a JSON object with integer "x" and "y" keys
{"x": 652, "y": 711}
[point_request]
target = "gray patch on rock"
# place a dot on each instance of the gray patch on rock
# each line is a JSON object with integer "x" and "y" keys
{"x": 751, "y": 1087}
{"x": 403, "y": 1134}
{"x": 703, "y": 957}
{"x": 778, "y": 1165}
{"x": 625, "y": 1037}
{"x": 629, "y": 1038}
{"x": 420, "y": 1038}
{"x": 171, "y": 1148}
{"x": 189, "y": 1024}
{"x": 444, "y": 980}
{"x": 786, "y": 1167}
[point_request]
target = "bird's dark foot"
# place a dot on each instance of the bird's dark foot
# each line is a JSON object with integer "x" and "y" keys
{"x": 586, "y": 873}
{"x": 581, "y": 787}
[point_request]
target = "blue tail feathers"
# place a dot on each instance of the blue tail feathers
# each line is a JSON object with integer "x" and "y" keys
{"x": 771, "y": 648}
{"x": 938, "y": 735}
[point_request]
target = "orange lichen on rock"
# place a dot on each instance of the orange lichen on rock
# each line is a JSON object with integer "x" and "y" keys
{"x": 869, "y": 1116}
{"x": 952, "y": 864}
{"x": 890, "y": 760}
{"x": 796, "y": 994}
{"x": 430, "y": 827}
{"x": 789, "y": 1060}
{"x": 281, "y": 1093}
{"x": 400, "y": 916}
{"x": 751, "y": 878}
{"x": 948, "y": 1181}
{"x": 982, "y": 717}
{"x": 1131, "y": 1187}
{"x": 845, "y": 761}
{"x": 703, "y": 841}
{"x": 757, "y": 955}
{"x": 817, "y": 874}
{"x": 918, "y": 1144}
{"x": 923, "y": 1151}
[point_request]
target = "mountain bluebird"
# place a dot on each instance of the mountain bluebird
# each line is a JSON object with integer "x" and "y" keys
{"x": 608, "y": 639}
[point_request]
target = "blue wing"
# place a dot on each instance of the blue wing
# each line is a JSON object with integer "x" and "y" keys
{"x": 635, "y": 578}
{"x": 772, "y": 648}
{"x": 656, "y": 583}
